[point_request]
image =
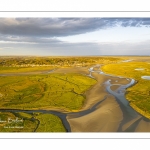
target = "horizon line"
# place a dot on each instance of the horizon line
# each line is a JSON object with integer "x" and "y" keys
{"x": 72, "y": 55}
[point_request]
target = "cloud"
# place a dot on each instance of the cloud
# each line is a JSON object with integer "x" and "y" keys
{"x": 40, "y": 36}
{"x": 47, "y": 27}
{"x": 77, "y": 49}
{"x": 58, "y": 27}
{"x": 28, "y": 40}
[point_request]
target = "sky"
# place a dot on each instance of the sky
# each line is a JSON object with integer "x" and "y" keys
{"x": 74, "y": 36}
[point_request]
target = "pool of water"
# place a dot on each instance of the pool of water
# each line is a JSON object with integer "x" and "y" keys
{"x": 146, "y": 77}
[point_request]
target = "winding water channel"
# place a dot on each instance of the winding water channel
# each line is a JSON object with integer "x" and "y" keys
{"x": 128, "y": 112}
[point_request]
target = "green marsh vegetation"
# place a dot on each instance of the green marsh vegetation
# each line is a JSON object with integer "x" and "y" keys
{"x": 24, "y": 122}
{"x": 63, "y": 91}
{"x": 139, "y": 94}
{"x": 45, "y": 123}
{"x": 49, "y": 123}
{"x": 27, "y": 69}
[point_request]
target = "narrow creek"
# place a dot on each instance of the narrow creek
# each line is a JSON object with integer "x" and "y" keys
{"x": 128, "y": 112}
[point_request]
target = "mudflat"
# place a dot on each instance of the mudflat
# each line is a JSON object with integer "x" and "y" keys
{"x": 108, "y": 114}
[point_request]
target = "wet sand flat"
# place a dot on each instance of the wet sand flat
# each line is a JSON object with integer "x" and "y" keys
{"x": 106, "y": 118}
{"x": 143, "y": 126}
{"x": 108, "y": 115}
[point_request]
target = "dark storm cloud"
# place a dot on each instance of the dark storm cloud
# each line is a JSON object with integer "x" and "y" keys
{"x": 57, "y": 27}
{"x": 48, "y": 27}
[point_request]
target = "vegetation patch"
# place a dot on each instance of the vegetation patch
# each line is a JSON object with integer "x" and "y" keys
{"x": 25, "y": 122}
{"x": 11, "y": 69}
{"x": 10, "y": 122}
{"x": 65, "y": 91}
{"x": 50, "y": 123}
